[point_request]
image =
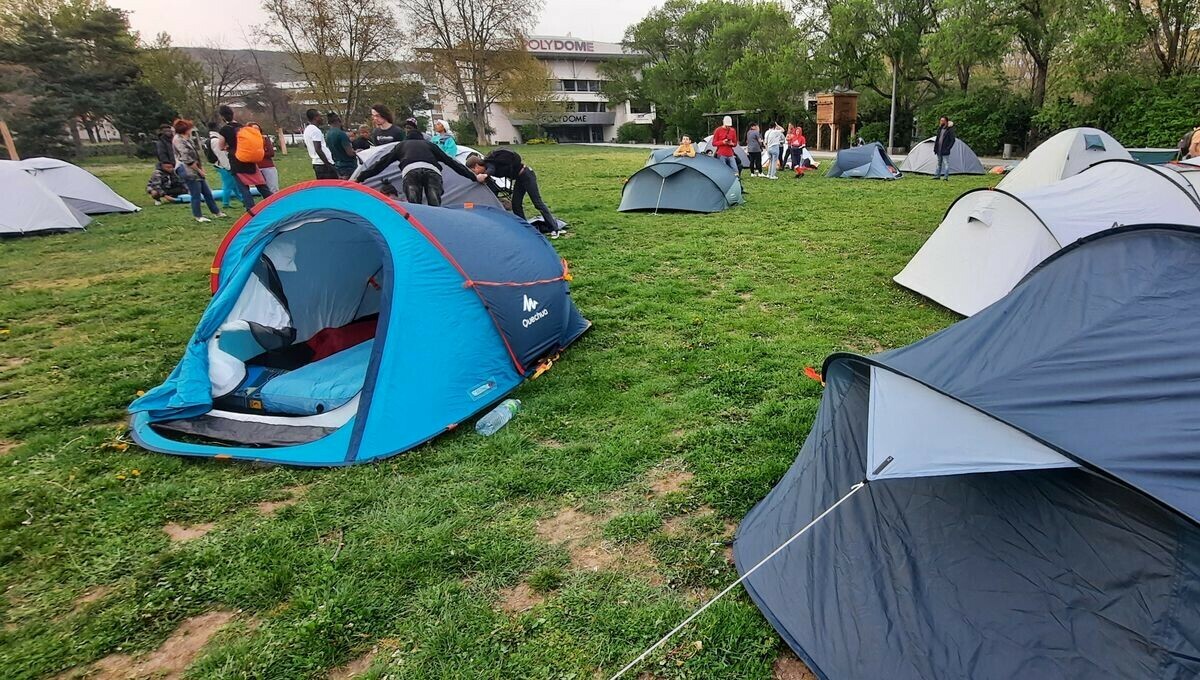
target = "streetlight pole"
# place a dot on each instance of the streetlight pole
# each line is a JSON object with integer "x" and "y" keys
{"x": 892, "y": 116}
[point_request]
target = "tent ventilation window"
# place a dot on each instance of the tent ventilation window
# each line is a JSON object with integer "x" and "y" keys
{"x": 1093, "y": 142}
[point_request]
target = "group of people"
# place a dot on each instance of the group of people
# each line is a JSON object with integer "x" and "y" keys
{"x": 334, "y": 152}
{"x": 242, "y": 155}
{"x": 783, "y": 149}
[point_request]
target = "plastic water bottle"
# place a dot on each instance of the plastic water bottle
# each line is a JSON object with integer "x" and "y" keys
{"x": 498, "y": 417}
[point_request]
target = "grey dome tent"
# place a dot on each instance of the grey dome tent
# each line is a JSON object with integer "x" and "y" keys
{"x": 701, "y": 184}
{"x": 77, "y": 187}
{"x": 32, "y": 208}
{"x": 457, "y": 190}
{"x": 922, "y": 160}
{"x": 1033, "y": 503}
{"x": 869, "y": 161}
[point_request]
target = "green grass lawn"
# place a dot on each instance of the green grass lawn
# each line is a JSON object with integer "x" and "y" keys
{"x": 560, "y": 547}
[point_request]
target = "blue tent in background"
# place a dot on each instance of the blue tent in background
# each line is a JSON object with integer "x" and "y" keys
{"x": 1033, "y": 509}
{"x": 869, "y": 161}
{"x": 346, "y": 327}
{"x": 678, "y": 183}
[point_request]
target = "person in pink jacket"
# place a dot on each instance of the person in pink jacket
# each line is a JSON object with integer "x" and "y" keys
{"x": 725, "y": 139}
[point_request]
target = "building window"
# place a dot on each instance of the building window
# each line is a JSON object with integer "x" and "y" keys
{"x": 567, "y": 85}
{"x": 590, "y": 107}
{"x": 639, "y": 106}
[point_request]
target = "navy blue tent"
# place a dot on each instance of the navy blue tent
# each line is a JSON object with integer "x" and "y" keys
{"x": 667, "y": 182}
{"x": 1033, "y": 509}
{"x": 346, "y": 327}
{"x": 869, "y": 161}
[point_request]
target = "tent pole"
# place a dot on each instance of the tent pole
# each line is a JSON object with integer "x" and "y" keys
{"x": 632, "y": 664}
{"x": 660, "y": 190}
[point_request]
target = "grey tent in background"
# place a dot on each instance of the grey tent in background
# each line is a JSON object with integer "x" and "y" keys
{"x": 989, "y": 239}
{"x": 80, "y": 189}
{"x": 1033, "y": 509}
{"x": 739, "y": 152}
{"x": 869, "y": 161}
{"x": 32, "y": 208}
{"x": 922, "y": 160}
{"x": 701, "y": 184}
{"x": 458, "y": 190}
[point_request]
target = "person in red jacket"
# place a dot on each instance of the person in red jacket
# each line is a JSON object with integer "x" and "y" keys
{"x": 725, "y": 139}
{"x": 796, "y": 143}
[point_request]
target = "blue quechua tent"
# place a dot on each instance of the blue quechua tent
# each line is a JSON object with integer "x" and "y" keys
{"x": 869, "y": 161}
{"x": 1033, "y": 503}
{"x": 677, "y": 183}
{"x": 346, "y": 327}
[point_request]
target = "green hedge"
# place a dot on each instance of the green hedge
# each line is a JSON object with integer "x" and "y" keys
{"x": 1138, "y": 112}
{"x": 986, "y": 118}
{"x": 635, "y": 133}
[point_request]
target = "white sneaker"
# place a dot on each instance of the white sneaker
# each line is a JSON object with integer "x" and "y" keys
{"x": 157, "y": 202}
{"x": 203, "y": 219}
{"x": 222, "y": 214}
{"x": 554, "y": 234}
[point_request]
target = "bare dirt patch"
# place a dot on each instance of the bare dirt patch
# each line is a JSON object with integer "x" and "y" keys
{"x": 181, "y": 533}
{"x": 361, "y": 664}
{"x": 295, "y": 493}
{"x": 88, "y": 597}
{"x": 7, "y": 447}
{"x": 169, "y": 661}
{"x": 580, "y": 534}
{"x": 677, "y": 525}
{"x": 551, "y": 443}
{"x": 788, "y": 667}
{"x": 665, "y": 481}
{"x": 865, "y": 345}
{"x": 519, "y": 598}
{"x": 13, "y": 362}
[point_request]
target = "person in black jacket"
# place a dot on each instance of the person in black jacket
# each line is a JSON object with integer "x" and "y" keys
{"x": 943, "y": 141}
{"x": 507, "y": 164}
{"x": 422, "y": 176}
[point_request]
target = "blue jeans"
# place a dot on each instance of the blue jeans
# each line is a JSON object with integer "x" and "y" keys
{"x": 943, "y": 167}
{"x": 773, "y": 162}
{"x": 197, "y": 187}
{"x": 730, "y": 161}
{"x": 229, "y": 186}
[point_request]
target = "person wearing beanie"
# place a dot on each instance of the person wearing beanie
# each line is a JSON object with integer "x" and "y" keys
{"x": 444, "y": 138}
{"x": 725, "y": 140}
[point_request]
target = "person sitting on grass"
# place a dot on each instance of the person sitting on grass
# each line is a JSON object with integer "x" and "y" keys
{"x": 685, "y": 148}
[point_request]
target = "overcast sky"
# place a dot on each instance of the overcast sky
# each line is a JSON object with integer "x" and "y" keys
{"x": 604, "y": 21}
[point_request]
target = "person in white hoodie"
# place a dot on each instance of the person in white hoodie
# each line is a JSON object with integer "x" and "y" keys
{"x": 774, "y": 142}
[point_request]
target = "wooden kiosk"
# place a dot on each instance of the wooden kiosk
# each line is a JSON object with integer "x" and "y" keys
{"x": 835, "y": 110}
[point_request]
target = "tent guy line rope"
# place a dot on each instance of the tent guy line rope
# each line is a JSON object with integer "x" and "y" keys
{"x": 633, "y": 664}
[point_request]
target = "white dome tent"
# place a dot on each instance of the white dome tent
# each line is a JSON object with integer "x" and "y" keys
{"x": 1064, "y": 155}
{"x": 990, "y": 239}
{"x": 32, "y": 208}
{"x": 77, "y": 187}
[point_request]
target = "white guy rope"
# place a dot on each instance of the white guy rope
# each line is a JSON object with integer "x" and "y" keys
{"x": 632, "y": 664}
{"x": 660, "y": 190}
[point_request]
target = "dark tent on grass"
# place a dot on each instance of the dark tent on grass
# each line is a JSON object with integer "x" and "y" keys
{"x": 1033, "y": 508}
{"x": 923, "y": 161}
{"x": 869, "y": 161}
{"x": 346, "y": 327}
{"x": 701, "y": 184}
{"x": 457, "y": 190}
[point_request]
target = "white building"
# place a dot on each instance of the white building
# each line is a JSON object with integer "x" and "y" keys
{"x": 574, "y": 66}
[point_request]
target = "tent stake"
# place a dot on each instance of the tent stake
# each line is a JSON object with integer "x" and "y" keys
{"x": 632, "y": 664}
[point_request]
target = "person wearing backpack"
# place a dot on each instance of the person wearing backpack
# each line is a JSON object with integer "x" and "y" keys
{"x": 267, "y": 164}
{"x": 246, "y": 149}
{"x": 214, "y": 151}
{"x": 507, "y": 165}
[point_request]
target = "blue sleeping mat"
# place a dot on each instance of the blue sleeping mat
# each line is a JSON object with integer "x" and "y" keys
{"x": 320, "y": 386}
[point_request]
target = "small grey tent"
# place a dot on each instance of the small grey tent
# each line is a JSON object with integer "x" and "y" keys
{"x": 922, "y": 160}
{"x": 1033, "y": 499}
{"x": 77, "y": 187}
{"x": 31, "y": 207}
{"x": 458, "y": 190}
{"x": 869, "y": 161}
{"x": 701, "y": 184}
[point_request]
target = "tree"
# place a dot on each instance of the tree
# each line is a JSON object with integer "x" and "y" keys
{"x": 967, "y": 35}
{"x": 477, "y": 48}
{"x": 1170, "y": 29}
{"x": 225, "y": 74}
{"x": 342, "y": 48}
{"x": 176, "y": 75}
{"x": 1042, "y": 27}
{"x": 531, "y": 96}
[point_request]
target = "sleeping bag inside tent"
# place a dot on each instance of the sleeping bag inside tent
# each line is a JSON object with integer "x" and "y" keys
{"x": 922, "y": 161}
{"x": 678, "y": 183}
{"x": 346, "y": 327}
{"x": 990, "y": 239}
{"x": 869, "y": 161}
{"x": 1033, "y": 503}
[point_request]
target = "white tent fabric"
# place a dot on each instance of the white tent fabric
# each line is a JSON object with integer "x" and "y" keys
{"x": 922, "y": 160}
{"x": 79, "y": 188}
{"x": 1064, "y": 155}
{"x": 990, "y": 239}
{"x": 914, "y": 431}
{"x": 31, "y": 207}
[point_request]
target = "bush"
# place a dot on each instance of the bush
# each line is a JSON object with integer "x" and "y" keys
{"x": 1137, "y": 111}
{"x": 633, "y": 133}
{"x": 873, "y": 132}
{"x": 528, "y": 132}
{"x": 986, "y": 118}
{"x": 465, "y": 132}
{"x": 542, "y": 140}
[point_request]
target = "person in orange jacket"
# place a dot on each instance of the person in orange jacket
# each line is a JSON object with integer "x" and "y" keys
{"x": 725, "y": 139}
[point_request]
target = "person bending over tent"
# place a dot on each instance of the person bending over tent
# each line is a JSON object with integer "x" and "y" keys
{"x": 943, "y": 141}
{"x": 418, "y": 161}
{"x": 725, "y": 138}
{"x": 507, "y": 164}
{"x": 685, "y": 148}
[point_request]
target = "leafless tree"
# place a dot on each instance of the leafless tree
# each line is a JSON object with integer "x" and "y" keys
{"x": 342, "y": 48}
{"x": 224, "y": 74}
{"x": 477, "y": 47}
